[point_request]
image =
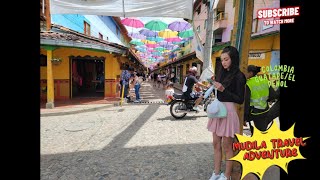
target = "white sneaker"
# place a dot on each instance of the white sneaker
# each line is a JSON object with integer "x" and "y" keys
{"x": 196, "y": 108}
{"x": 223, "y": 177}
{"x": 214, "y": 176}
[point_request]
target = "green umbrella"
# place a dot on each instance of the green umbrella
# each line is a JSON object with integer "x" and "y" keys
{"x": 156, "y": 25}
{"x": 159, "y": 49}
{"x": 136, "y": 42}
{"x": 156, "y": 39}
{"x": 186, "y": 34}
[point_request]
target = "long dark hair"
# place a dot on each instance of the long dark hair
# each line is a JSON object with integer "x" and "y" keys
{"x": 225, "y": 77}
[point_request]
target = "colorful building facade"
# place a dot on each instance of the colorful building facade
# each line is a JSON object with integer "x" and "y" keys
{"x": 83, "y": 56}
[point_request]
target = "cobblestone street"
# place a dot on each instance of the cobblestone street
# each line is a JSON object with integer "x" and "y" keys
{"x": 129, "y": 142}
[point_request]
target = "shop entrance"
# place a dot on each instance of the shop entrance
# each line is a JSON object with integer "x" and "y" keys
{"x": 87, "y": 76}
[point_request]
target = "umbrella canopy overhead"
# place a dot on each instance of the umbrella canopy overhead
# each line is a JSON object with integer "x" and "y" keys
{"x": 148, "y": 33}
{"x": 137, "y": 36}
{"x": 179, "y": 25}
{"x": 167, "y": 33}
{"x": 156, "y": 25}
{"x": 132, "y": 22}
{"x": 186, "y": 34}
{"x": 160, "y": 40}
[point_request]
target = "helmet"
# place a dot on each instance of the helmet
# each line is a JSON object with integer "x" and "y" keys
{"x": 193, "y": 69}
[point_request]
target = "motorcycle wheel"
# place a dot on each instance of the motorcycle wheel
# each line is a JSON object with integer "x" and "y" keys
{"x": 178, "y": 105}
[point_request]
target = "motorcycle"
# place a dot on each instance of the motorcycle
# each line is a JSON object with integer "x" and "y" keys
{"x": 180, "y": 107}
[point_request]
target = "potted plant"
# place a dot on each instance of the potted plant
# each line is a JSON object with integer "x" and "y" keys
{"x": 56, "y": 61}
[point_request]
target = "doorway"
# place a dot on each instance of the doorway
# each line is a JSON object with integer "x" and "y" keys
{"x": 88, "y": 77}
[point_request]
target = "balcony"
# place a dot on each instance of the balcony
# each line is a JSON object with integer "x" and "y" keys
{"x": 220, "y": 21}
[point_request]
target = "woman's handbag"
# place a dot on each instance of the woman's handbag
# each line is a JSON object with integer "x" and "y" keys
{"x": 216, "y": 109}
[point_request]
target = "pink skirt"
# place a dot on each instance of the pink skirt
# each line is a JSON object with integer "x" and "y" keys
{"x": 228, "y": 126}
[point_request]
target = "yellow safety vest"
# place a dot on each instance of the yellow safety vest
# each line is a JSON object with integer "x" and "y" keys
{"x": 259, "y": 92}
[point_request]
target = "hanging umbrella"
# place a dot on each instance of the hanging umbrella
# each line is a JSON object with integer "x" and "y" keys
{"x": 152, "y": 45}
{"x": 137, "y": 36}
{"x": 156, "y": 39}
{"x": 173, "y": 39}
{"x": 148, "y": 33}
{"x": 136, "y": 42}
{"x": 164, "y": 43}
{"x": 132, "y": 22}
{"x": 156, "y": 25}
{"x": 159, "y": 49}
{"x": 141, "y": 50}
{"x": 186, "y": 34}
{"x": 167, "y": 33}
{"x": 179, "y": 26}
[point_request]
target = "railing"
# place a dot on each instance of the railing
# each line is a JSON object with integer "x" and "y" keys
{"x": 220, "y": 16}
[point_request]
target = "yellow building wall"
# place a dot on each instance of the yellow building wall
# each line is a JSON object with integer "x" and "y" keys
{"x": 265, "y": 44}
{"x": 61, "y": 73}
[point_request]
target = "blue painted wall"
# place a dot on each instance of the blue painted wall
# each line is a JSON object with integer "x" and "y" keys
{"x": 98, "y": 24}
{"x": 71, "y": 21}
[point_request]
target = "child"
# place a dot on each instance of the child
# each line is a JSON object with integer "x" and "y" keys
{"x": 169, "y": 92}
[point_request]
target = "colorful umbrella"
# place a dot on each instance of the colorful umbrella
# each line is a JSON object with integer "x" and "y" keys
{"x": 167, "y": 33}
{"x": 186, "y": 34}
{"x": 159, "y": 49}
{"x": 148, "y": 42}
{"x": 179, "y": 26}
{"x": 173, "y": 39}
{"x": 156, "y": 25}
{"x": 137, "y": 36}
{"x": 132, "y": 22}
{"x": 152, "y": 45}
{"x": 136, "y": 42}
{"x": 148, "y": 33}
{"x": 156, "y": 39}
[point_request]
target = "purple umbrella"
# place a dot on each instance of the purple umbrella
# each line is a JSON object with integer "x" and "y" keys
{"x": 137, "y": 36}
{"x": 148, "y": 33}
{"x": 179, "y": 26}
{"x": 164, "y": 43}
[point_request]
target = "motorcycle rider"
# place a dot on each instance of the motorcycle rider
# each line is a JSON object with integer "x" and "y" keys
{"x": 187, "y": 89}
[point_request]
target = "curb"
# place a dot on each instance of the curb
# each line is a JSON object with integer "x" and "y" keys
{"x": 76, "y": 111}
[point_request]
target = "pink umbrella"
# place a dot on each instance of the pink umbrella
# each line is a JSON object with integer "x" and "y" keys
{"x": 132, "y": 22}
{"x": 152, "y": 45}
{"x": 173, "y": 39}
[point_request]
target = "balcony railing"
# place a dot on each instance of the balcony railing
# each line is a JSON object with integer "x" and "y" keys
{"x": 220, "y": 21}
{"x": 221, "y": 16}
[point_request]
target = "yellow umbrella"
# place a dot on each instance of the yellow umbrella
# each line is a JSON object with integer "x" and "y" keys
{"x": 167, "y": 33}
{"x": 148, "y": 42}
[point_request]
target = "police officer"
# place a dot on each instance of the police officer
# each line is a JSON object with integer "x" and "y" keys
{"x": 258, "y": 94}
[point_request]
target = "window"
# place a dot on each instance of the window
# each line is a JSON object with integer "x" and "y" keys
{"x": 205, "y": 24}
{"x": 100, "y": 36}
{"x": 43, "y": 60}
{"x": 198, "y": 29}
{"x": 86, "y": 28}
